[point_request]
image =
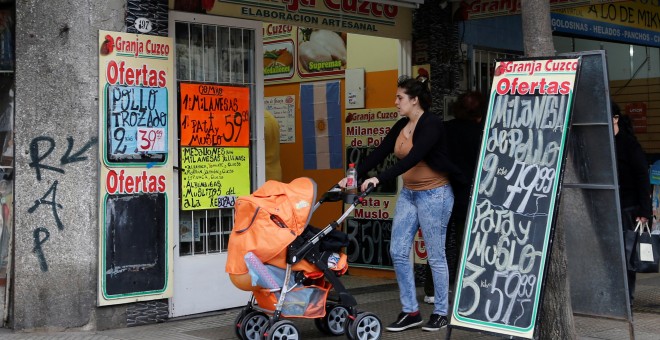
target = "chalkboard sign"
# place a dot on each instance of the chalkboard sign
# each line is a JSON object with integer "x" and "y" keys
{"x": 515, "y": 197}
{"x": 135, "y": 260}
{"x": 369, "y": 242}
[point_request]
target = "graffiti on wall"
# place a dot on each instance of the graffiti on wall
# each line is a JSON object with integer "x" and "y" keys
{"x": 41, "y": 149}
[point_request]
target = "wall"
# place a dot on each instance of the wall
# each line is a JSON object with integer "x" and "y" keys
{"x": 379, "y": 57}
{"x": 56, "y": 140}
{"x": 380, "y": 92}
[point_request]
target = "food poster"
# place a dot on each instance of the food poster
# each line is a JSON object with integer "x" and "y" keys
{"x": 294, "y": 54}
{"x": 370, "y": 227}
{"x": 214, "y": 142}
{"x": 283, "y": 109}
{"x": 136, "y": 110}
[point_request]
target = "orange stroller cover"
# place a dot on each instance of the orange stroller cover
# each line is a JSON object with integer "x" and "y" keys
{"x": 267, "y": 221}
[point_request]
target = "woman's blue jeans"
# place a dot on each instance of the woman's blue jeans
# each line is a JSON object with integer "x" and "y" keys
{"x": 429, "y": 210}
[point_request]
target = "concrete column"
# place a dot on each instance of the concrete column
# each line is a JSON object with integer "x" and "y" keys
{"x": 56, "y": 186}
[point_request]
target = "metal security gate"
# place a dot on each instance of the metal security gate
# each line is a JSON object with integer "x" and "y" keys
{"x": 215, "y": 50}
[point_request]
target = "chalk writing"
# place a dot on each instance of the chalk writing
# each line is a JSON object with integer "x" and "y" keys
{"x": 357, "y": 154}
{"x": 369, "y": 241}
{"x": 511, "y": 209}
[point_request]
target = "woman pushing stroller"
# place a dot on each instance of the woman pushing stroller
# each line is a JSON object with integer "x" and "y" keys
{"x": 425, "y": 201}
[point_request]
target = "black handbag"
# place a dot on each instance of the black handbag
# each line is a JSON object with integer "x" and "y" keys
{"x": 647, "y": 250}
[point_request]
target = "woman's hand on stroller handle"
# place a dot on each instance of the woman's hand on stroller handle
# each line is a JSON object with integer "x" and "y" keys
{"x": 373, "y": 181}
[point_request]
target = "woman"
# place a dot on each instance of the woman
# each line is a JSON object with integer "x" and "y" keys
{"x": 634, "y": 185}
{"x": 425, "y": 200}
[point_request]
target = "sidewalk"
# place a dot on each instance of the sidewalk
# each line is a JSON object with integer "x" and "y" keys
{"x": 379, "y": 296}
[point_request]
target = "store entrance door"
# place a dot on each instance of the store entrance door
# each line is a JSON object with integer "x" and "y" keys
{"x": 218, "y": 51}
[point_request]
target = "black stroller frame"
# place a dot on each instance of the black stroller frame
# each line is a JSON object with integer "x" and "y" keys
{"x": 342, "y": 315}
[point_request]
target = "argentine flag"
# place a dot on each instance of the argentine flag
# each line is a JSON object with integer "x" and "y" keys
{"x": 321, "y": 125}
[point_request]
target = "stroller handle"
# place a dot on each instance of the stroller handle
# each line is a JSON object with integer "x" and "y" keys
{"x": 300, "y": 253}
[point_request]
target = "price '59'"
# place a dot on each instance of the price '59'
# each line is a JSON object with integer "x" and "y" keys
{"x": 215, "y": 129}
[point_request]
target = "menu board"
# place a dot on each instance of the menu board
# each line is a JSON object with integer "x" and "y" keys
{"x": 209, "y": 173}
{"x": 214, "y": 144}
{"x": 515, "y": 197}
{"x": 136, "y": 107}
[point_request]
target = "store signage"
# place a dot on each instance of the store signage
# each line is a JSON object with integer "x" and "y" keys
{"x": 361, "y": 17}
{"x": 479, "y": 9}
{"x": 370, "y": 228}
{"x": 514, "y": 198}
{"x": 627, "y": 22}
{"x": 136, "y": 82}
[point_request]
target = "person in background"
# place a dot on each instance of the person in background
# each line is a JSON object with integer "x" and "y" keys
{"x": 272, "y": 141}
{"x": 464, "y": 144}
{"x": 634, "y": 184}
{"x": 425, "y": 201}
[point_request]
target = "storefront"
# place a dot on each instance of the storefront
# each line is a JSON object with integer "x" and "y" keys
{"x": 135, "y": 231}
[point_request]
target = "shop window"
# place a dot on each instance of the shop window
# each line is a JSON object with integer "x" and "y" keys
{"x": 219, "y": 55}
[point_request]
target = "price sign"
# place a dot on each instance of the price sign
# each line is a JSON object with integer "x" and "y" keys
{"x": 514, "y": 198}
{"x": 214, "y": 115}
{"x": 151, "y": 140}
{"x": 137, "y": 122}
{"x": 369, "y": 242}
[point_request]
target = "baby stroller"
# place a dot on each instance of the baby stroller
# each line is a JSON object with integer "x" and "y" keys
{"x": 290, "y": 266}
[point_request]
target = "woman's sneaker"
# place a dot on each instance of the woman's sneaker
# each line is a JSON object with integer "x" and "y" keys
{"x": 436, "y": 322}
{"x": 405, "y": 321}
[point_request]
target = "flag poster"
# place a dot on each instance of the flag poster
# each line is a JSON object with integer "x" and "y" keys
{"x": 321, "y": 125}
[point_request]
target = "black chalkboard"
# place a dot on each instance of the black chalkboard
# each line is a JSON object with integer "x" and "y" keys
{"x": 357, "y": 154}
{"x": 135, "y": 259}
{"x": 369, "y": 242}
{"x": 515, "y": 197}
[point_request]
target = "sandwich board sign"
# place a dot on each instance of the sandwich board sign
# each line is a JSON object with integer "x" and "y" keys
{"x": 514, "y": 201}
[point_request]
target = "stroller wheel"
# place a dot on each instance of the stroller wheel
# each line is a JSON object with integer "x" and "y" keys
{"x": 366, "y": 326}
{"x": 282, "y": 330}
{"x": 237, "y": 323}
{"x": 334, "y": 321}
{"x": 253, "y": 325}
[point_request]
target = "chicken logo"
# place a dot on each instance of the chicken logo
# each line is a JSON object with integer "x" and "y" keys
{"x": 108, "y": 45}
{"x": 500, "y": 70}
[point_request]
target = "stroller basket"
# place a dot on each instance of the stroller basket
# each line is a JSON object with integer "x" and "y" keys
{"x": 306, "y": 301}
